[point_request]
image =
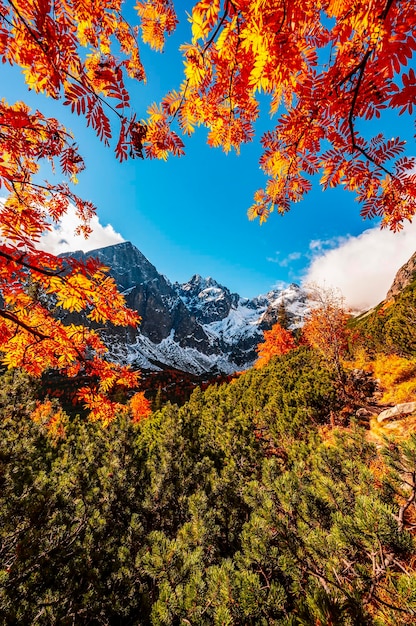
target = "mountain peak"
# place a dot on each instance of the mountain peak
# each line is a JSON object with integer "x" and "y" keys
{"x": 129, "y": 266}
{"x": 197, "y": 284}
{"x": 207, "y": 300}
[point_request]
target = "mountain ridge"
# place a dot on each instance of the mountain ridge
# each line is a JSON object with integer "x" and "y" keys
{"x": 198, "y": 326}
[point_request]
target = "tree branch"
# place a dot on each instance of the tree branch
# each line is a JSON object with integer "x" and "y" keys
{"x": 408, "y": 502}
{"x": 13, "y": 318}
{"x": 60, "y": 70}
{"x": 34, "y": 268}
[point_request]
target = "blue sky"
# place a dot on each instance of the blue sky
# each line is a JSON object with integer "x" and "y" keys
{"x": 188, "y": 215}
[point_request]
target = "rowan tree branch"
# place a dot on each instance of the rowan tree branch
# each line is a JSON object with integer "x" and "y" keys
{"x": 61, "y": 70}
{"x": 13, "y": 318}
{"x": 20, "y": 261}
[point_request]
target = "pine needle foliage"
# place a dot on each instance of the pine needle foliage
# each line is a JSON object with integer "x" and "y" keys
{"x": 241, "y": 507}
{"x": 391, "y": 327}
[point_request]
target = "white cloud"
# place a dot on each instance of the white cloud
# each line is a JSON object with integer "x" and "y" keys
{"x": 319, "y": 245}
{"x": 362, "y": 267}
{"x": 293, "y": 256}
{"x": 63, "y": 238}
{"x": 280, "y": 285}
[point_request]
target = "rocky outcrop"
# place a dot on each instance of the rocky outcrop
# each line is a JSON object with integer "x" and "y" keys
{"x": 206, "y": 299}
{"x": 404, "y": 277}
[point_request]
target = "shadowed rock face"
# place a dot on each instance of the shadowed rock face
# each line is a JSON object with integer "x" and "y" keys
{"x": 128, "y": 266}
{"x": 152, "y": 296}
{"x": 162, "y": 312}
{"x": 198, "y": 326}
{"x": 404, "y": 277}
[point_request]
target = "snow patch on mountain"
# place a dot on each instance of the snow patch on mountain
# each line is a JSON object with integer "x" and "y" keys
{"x": 147, "y": 355}
{"x": 295, "y": 302}
{"x": 240, "y": 320}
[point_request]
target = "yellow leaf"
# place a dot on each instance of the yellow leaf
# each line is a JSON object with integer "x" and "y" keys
{"x": 156, "y": 113}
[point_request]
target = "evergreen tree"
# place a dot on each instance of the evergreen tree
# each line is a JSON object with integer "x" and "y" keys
{"x": 242, "y": 506}
{"x": 282, "y": 315}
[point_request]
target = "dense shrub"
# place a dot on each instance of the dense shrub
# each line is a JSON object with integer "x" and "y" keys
{"x": 241, "y": 507}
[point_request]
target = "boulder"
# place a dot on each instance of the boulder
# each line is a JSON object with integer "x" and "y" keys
{"x": 397, "y": 411}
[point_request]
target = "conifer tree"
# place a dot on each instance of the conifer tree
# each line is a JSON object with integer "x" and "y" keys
{"x": 282, "y": 315}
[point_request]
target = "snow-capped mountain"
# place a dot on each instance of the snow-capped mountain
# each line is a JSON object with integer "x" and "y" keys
{"x": 198, "y": 326}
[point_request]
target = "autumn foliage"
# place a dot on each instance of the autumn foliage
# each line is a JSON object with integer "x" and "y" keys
{"x": 325, "y": 66}
{"x": 325, "y": 328}
{"x": 140, "y": 407}
{"x": 51, "y": 417}
{"x": 397, "y": 376}
{"x": 64, "y": 51}
{"x": 277, "y": 341}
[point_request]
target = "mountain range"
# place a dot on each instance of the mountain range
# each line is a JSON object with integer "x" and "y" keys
{"x": 199, "y": 326}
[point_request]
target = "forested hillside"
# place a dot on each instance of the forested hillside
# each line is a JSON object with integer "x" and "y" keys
{"x": 391, "y": 327}
{"x": 244, "y": 506}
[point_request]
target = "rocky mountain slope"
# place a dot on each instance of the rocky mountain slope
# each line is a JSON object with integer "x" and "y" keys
{"x": 198, "y": 326}
{"x": 404, "y": 277}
